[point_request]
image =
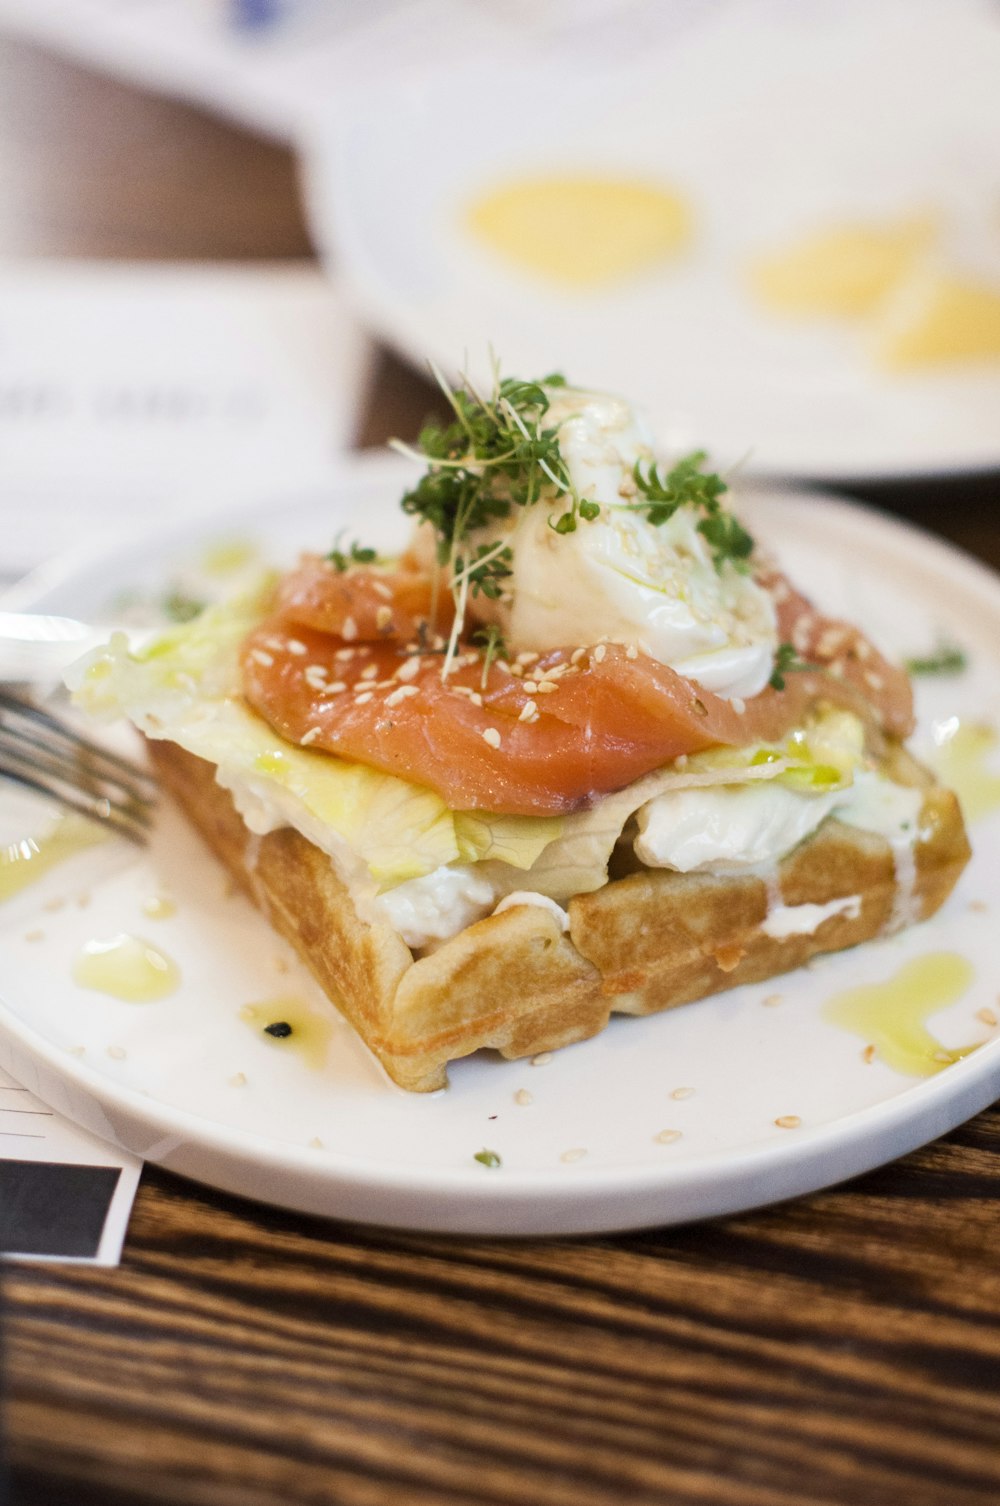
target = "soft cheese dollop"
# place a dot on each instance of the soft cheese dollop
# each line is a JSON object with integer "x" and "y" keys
{"x": 621, "y": 579}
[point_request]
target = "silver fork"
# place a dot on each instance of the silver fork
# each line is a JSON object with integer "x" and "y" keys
{"x": 41, "y": 752}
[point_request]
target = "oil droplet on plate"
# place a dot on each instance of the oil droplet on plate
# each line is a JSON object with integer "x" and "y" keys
{"x": 25, "y": 862}
{"x": 159, "y": 907}
{"x": 126, "y": 967}
{"x": 288, "y": 1024}
{"x": 961, "y": 757}
{"x": 582, "y": 231}
{"x": 891, "y": 1016}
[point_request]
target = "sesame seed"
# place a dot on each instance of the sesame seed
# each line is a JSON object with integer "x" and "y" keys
{"x": 315, "y": 676}
{"x": 868, "y": 1055}
{"x": 546, "y": 687}
{"x": 369, "y": 672}
{"x": 476, "y": 698}
{"x": 260, "y": 657}
{"x": 383, "y": 619}
{"x": 409, "y": 668}
{"x": 523, "y": 1097}
{"x": 599, "y": 653}
{"x": 316, "y": 1143}
{"x": 401, "y": 693}
{"x": 517, "y": 669}
{"x": 667, "y": 1137}
{"x": 771, "y": 999}
{"x": 862, "y": 649}
{"x": 573, "y": 1155}
{"x": 118, "y": 1053}
{"x": 978, "y": 907}
{"x": 343, "y": 655}
{"x": 738, "y": 704}
{"x": 987, "y": 1016}
{"x": 875, "y": 681}
{"x": 491, "y": 736}
{"x": 310, "y": 736}
{"x": 788, "y": 1121}
{"x": 528, "y": 657}
{"x": 349, "y": 630}
{"x": 238, "y": 1080}
{"x": 531, "y": 686}
{"x": 381, "y": 589}
{"x": 577, "y": 655}
{"x": 682, "y": 1093}
{"x": 542, "y": 1059}
{"x": 34, "y": 935}
{"x": 529, "y": 712}
{"x": 337, "y": 688}
{"x": 681, "y": 761}
{"x": 631, "y": 652}
{"x": 364, "y": 698}
{"x": 296, "y": 647}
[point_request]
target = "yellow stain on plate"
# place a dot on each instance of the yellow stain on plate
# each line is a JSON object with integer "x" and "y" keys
{"x": 26, "y": 861}
{"x": 843, "y": 271}
{"x": 288, "y": 1024}
{"x": 963, "y": 752}
{"x": 939, "y": 319}
{"x": 892, "y": 1016}
{"x": 583, "y": 232}
{"x": 128, "y": 968}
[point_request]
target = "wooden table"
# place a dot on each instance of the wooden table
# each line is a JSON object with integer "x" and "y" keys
{"x": 843, "y": 1350}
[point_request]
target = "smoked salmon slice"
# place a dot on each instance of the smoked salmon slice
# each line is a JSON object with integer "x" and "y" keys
{"x": 350, "y": 663}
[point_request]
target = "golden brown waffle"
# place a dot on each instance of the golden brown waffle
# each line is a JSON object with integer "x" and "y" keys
{"x": 650, "y": 939}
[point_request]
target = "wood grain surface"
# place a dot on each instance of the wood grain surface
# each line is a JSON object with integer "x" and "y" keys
{"x": 842, "y": 1350}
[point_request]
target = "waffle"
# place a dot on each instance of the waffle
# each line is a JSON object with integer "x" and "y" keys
{"x": 516, "y": 983}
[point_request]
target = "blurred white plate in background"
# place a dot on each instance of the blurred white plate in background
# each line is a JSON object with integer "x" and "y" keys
{"x": 771, "y": 121}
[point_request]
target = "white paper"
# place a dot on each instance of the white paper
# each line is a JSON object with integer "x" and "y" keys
{"x": 31, "y": 1132}
{"x": 132, "y": 392}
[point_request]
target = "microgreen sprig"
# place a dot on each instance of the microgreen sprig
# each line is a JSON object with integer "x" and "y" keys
{"x": 786, "y": 661}
{"x": 355, "y": 555}
{"x": 686, "y": 484}
{"x": 496, "y": 454}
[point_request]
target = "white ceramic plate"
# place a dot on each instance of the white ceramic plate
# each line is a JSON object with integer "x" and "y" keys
{"x": 585, "y": 1153}
{"x": 773, "y": 121}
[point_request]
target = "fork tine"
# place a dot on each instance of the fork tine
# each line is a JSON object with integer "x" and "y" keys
{"x": 43, "y": 754}
{"x": 37, "y": 725}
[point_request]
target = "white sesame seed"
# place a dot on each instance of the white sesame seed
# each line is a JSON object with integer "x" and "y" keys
{"x": 369, "y": 672}
{"x": 476, "y": 698}
{"x": 409, "y": 668}
{"x": 401, "y": 694}
{"x": 577, "y": 655}
{"x": 260, "y": 657}
{"x": 667, "y": 1137}
{"x": 310, "y": 736}
{"x": 547, "y": 687}
{"x": 349, "y": 631}
{"x": 682, "y": 1093}
{"x": 315, "y": 676}
{"x": 681, "y": 761}
{"x": 771, "y": 1000}
{"x": 523, "y": 1097}
{"x": 631, "y": 652}
{"x": 531, "y": 686}
{"x": 238, "y": 1080}
{"x": 987, "y": 1016}
{"x": 738, "y": 704}
{"x": 528, "y": 657}
{"x": 117, "y": 1052}
{"x": 576, "y": 1154}
{"x": 337, "y": 688}
{"x": 875, "y": 681}
{"x": 296, "y": 647}
{"x": 517, "y": 669}
{"x": 529, "y": 712}
{"x": 364, "y": 698}
{"x": 383, "y": 619}
{"x": 542, "y": 1059}
{"x": 599, "y": 653}
{"x": 316, "y": 1143}
{"x": 343, "y": 655}
{"x": 381, "y": 589}
{"x": 491, "y": 736}
{"x": 792, "y": 1121}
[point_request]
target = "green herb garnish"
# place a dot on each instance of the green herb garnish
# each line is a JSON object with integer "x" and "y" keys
{"x": 356, "y": 555}
{"x": 686, "y": 484}
{"x": 786, "y": 661}
{"x": 487, "y": 1158}
{"x": 179, "y": 606}
{"x": 491, "y": 640}
{"x": 947, "y": 659}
